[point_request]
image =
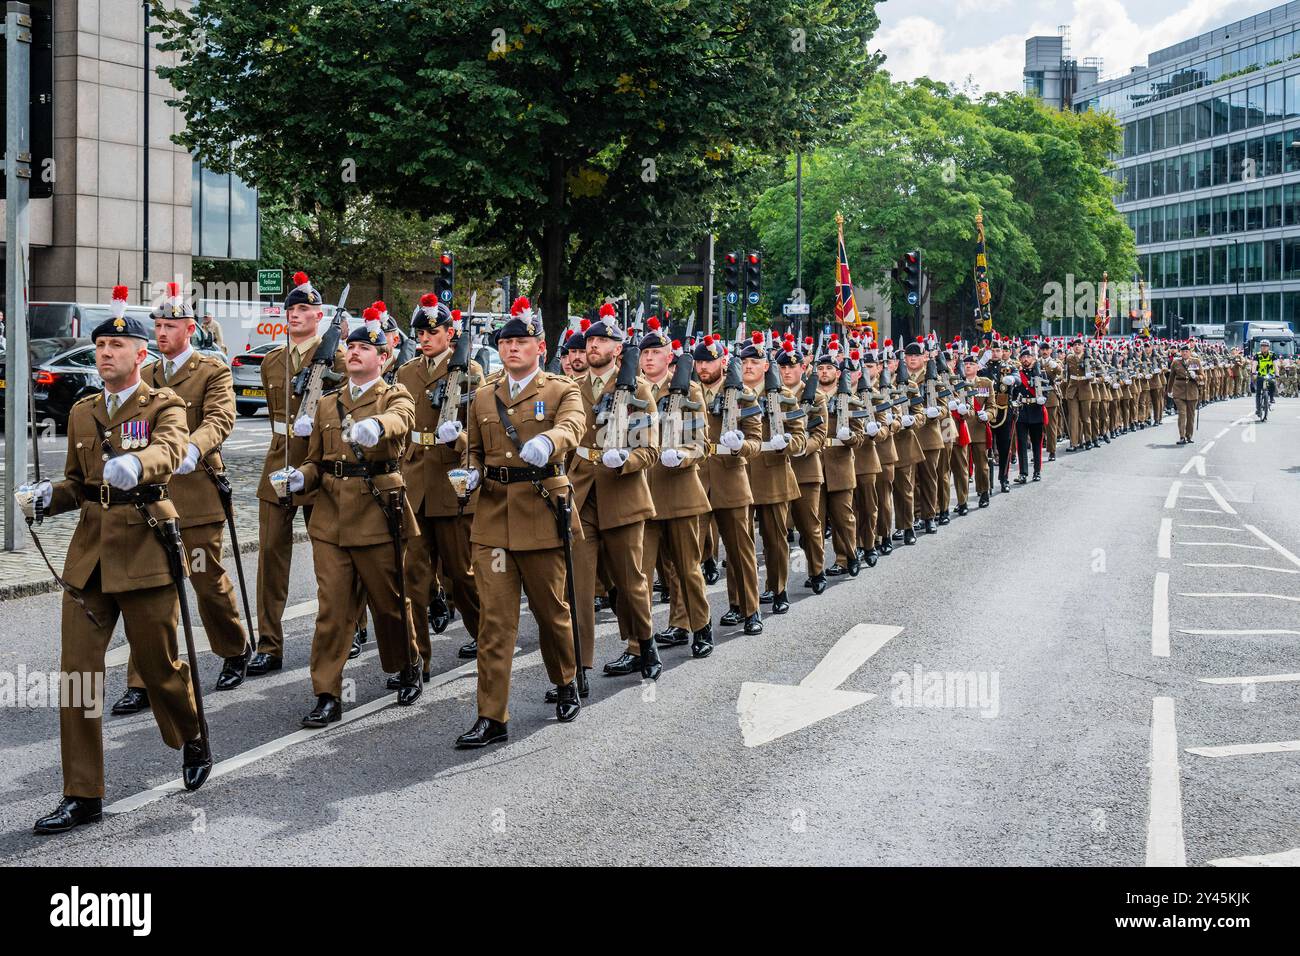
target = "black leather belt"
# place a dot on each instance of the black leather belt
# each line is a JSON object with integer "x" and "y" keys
{"x": 139, "y": 495}
{"x": 355, "y": 469}
{"x": 507, "y": 475}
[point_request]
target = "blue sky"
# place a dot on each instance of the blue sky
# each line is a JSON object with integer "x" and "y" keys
{"x": 984, "y": 40}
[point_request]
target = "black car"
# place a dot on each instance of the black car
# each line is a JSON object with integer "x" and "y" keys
{"x": 63, "y": 372}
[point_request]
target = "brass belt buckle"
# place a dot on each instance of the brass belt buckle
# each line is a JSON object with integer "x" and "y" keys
{"x": 104, "y": 493}
{"x": 338, "y": 469}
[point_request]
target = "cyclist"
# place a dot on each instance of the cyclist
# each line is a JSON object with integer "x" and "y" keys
{"x": 1266, "y": 368}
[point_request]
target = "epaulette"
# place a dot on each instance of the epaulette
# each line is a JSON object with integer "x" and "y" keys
{"x": 88, "y": 399}
{"x": 333, "y": 391}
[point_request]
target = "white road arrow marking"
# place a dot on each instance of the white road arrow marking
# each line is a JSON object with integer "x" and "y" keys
{"x": 769, "y": 711}
{"x": 1197, "y": 462}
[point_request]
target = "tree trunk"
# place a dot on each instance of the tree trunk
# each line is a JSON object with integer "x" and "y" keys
{"x": 555, "y": 286}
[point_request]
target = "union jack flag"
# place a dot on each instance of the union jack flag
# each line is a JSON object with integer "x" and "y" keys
{"x": 846, "y": 308}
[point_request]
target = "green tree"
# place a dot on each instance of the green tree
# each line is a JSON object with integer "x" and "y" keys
{"x": 598, "y": 139}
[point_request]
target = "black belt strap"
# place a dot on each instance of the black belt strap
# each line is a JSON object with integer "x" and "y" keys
{"x": 366, "y": 469}
{"x": 513, "y": 435}
{"x": 505, "y": 476}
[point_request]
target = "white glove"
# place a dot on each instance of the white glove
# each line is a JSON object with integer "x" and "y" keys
{"x": 952, "y": 405}
{"x": 448, "y": 432}
{"x": 1192, "y": 372}
{"x": 873, "y": 429}
{"x": 1088, "y": 376}
{"x": 671, "y": 458}
{"x": 889, "y": 418}
{"x": 963, "y": 408}
{"x": 123, "y": 472}
{"x": 614, "y": 458}
{"x": 191, "y": 460}
{"x": 843, "y": 433}
{"x": 908, "y": 421}
{"x": 982, "y": 415}
{"x": 733, "y": 440}
{"x": 1041, "y": 399}
{"x": 537, "y": 451}
{"x": 1008, "y": 380}
{"x": 27, "y": 495}
{"x": 779, "y": 442}
{"x": 296, "y": 479}
{"x": 472, "y": 479}
{"x": 302, "y": 426}
{"x": 367, "y": 432}
{"x": 931, "y": 411}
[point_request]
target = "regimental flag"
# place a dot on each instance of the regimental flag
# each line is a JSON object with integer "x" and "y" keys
{"x": 1102, "y": 323}
{"x": 984, "y": 314}
{"x": 846, "y": 309}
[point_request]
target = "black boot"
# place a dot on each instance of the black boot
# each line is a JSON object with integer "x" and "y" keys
{"x": 817, "y": 583}
{"x": 909, "y": 536}
{"x": 567, "y": 704}
{"x": 196, "y": 763}
{"x": 870, "y": 557}
{"x": 780, "y": 603}
{"x": 885, "y": 548}
{"x": 732, "y": 617}
{"x": 943, "y": 518}
{"x": 584, "y": 688}
{"x": 702, "y": 644}
{"x": 855, "y": 566}
{"x": 710, "y": 571}
{"x": 133, "y": 701}
{"x": 765, "y": 597}
{"x": 328, "y": 710}
{"x": 358, "y": 638}
{"x": 485, "y": 731}
{"x": 71, "y": 812}
{"x": 962, "y": 510}
{"x": 439, "y": 613}
{"x": 928, "y": 526}
{"x": 673, "y": 636}
{"x": 651, "y": 667}
{"x": 754, "y": 623}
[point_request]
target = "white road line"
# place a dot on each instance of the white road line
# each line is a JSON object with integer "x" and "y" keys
{"x": 1211, "y": 527}
{"x": 1197, "y": 462}
{"x": 1237, "y": 594}
{"x": 1221, "y": 544}
{"x": 1165, "y": 810}
{"x": 1196, "y": 497}
{"x": 1172, "y": 497}
{"x": 1237, "y": 633}
{"x": 1252, "y": 567}
{"x": 1247, "y": 750}
{"x": 1273, "y": 544}
{"x": 1162, "y": 540}
{"x": 1285, "y": 858}
{"x": 1204, "y": 511}
{"x": 1206, "y": 449}
{"x": 1222, "y": 433}
{"x": 1160, "y": 616}
{"x": 1219, "y": 499}
{"x": 1262, "y": 679}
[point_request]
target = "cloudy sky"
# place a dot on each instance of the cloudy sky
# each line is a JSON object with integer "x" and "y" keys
{"x": 952, "y": 40}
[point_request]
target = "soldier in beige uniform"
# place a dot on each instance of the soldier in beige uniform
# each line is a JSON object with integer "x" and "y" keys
{"x": 303, "y": 312}
{"x": 771, "y": 479}
{"x": 929, "y": 435}
{"x": 977, "y": 427}
{"x": 672, "y": 536}
{"x": 908, "y": 446}
{"x": 866, "y": 468}
{"x": 726, "y": 481}
{"x": 124, "y": 444}
{"x": 846, "y": 434}
{"x": 516, "y": 538}
{"x": 1184, "y": 373}
{"x": 886, "y": 451}
{"x": 1077, "y": 382}
{"x": 434, "y": 450}
{"x": 204, "y": 384}
{"x": 806, "y": 513}
{"x": 352, "y": 540}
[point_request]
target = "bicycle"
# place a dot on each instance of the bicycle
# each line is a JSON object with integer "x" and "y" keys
{"x": 1263, "y": 388}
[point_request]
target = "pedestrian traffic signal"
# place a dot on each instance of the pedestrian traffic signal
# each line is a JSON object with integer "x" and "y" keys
{"x": 753, "y": 277}
{"x": 731, "y": 274}
{"x": 445, "y": 284}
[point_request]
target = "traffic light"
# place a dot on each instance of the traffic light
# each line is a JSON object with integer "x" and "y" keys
{"x": 652, "y": 301}
{"x": 753, "y": 276}
{"x": 911, "y": 270}
{"x": 731, "y": 274}
{"x": 445, "y": 284}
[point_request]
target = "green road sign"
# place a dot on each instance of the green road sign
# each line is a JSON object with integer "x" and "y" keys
{"x": 270, "y": 281}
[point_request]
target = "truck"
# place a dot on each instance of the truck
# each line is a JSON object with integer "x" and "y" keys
{"x": 1246, "y": 335}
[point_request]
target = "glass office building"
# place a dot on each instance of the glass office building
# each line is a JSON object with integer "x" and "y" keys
{"x": 1210, "y": 172}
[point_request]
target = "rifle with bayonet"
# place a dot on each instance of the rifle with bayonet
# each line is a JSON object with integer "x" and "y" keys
{"x": 311, "y": 381}
{"x": 777, "y": 401}
{"x": 728, "y": 403}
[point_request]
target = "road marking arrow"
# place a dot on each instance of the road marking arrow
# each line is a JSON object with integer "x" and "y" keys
{"x": 769, "y": 711}
{"x": 1197, "y": 462}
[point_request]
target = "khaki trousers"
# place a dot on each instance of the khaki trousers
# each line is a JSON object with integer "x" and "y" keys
{"x": 884, "y": 502}
{"x": 959, "y": 470}
{"x": 772, "y": 524}
{"x": 618, "y": 551}
{"x": 1080, "y": 414}
{"x": 1186, "y": 417}
{"x": 737, "y": 536}
{"x": 904, "y": 496}
{"x": 927, "y": 480}
{"x": 864, "y": 513}
{"x": 978, "y": 452}
{"x": 675, "y": 545}
{"x": 443, "y": 543}
{"x": 274, "y": 557}
{"x": 844, "y": 530}
{"x": 806, "y": 513}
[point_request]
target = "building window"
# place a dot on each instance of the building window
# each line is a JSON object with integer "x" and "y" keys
{"x": 224, "y": 212}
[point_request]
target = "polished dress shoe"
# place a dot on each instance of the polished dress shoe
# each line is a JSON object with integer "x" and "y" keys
{"x": 468, "y": 652}
{"x": 984, "y": 500}
{"x": 234, "y": 669}
{"x": 835, "y": 570}
{"x": 672, "y": 636}
{"x": 1037, "y": 476}
{"x": 651, "y": 666}
{"x": 702, "y": 641}
{"x": 765, "y": 597}
{"x": 71, "y": 812}
{"x": 817, "y": 583}
{"x": 1051, "y": 456}
{"x": 909, "y": 536}
{"x": 439, "y": 613}
{"x": 584, "y": 687}
{"x": 710, "y": 571}
{"x": 855, "y": 566}
{"x": 962, "y": 510}
{"x": 623, "y": 665}
{"x": 885, "y": 548}
{"x": 732, "y": 617}
{"x": 328, "y": 710}
{"x": 410, "y": 687}
{"x": 133, "y": 701}
{"x": 943, "y": 518}
{"x": 394, "y": 681}
{"x": 928, "y": 526}
{"x": 485, "y": 731}
{"x": 358, "y": 638}
{"x": 567, "y": 704}
{"x": 897, "y": 536}
{"x": 263, "y": 663}
{"x": 780, "y": 603}
{"x": 1006, "y": 487}
{"x": 870, "y": 557}
{"x": 754, "y": 623}
{"x": 1105, "y": 438}
{"x": 196, "y": 763}
{"x": 1021, "y": 479}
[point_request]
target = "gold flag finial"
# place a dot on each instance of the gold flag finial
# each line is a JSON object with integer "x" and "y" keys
{"x": 979, "y": 218}
{"x": 839, "y": 219}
